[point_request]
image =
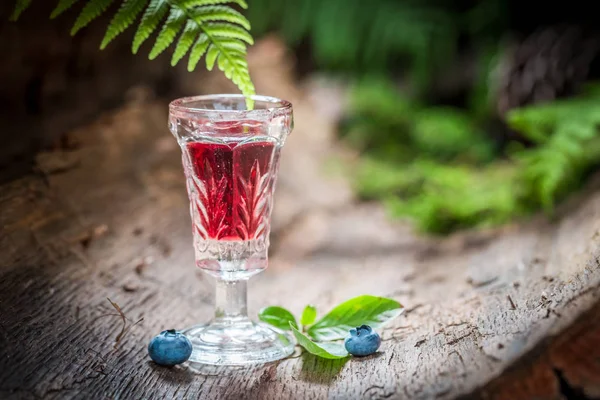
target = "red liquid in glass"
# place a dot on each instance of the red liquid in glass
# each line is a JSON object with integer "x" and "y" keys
{"x": 231, "y": 185}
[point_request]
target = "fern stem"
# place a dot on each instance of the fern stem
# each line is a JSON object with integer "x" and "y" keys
{"x": 214, "y": 42}
{"x": 200, "y": 24}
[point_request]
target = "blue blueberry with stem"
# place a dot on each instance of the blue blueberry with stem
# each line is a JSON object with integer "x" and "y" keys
{"x": 362, "y": 341}
{"x": 170, "y": 348}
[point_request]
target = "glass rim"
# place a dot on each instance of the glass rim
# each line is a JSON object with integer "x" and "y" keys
{"x": 274, "y": 105}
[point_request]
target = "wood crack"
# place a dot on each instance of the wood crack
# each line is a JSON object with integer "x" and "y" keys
{"x": 460, "y": 338}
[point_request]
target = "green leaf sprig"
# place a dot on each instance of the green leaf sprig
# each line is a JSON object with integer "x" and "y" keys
{"x": 210, "y": 27}
{"x": 322, "y": 338}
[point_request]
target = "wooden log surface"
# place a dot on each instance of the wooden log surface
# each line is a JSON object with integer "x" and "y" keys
{"x": 504, "y": 313}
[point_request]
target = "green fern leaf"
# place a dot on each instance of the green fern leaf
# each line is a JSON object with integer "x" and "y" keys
{"x": 221, "y": 13}
{"x": 21, "y": 6}
{"x": 223, "y": 42}
{"x": 568, "y": 145}
{"x": 233, "y": 45}
{"x": 198, "y": 51}
{"x": 234, "y": 66}
{"x": 211, "y": 56}
{"x": 212, "y": 28}
{"x": 92, "y": 10}
{"x": 224, "y": 66}
{"x": 170, "y": 29}
{"x": 127, "y": 13}
{"x": 155, "y": 12}
{"x": 238, "y": 59}
{"x": 218, "y": 29}
{"x": 228, "y": 63}
{"x": 186, "y": 41}
{"x": 201, "y": 3}
{"x": 63, "y": 5}
{"x": 239, "y": 74}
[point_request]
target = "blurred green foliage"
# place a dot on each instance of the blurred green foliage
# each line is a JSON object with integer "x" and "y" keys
{"x": 567, "y": 140}
{"x": 384, "y": 123}
{"x": 380, "y": 36}
{"x": 438, "y": 167}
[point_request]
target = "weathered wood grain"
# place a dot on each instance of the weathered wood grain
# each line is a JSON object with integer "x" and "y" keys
{"x": 563, "y": 367}
{"x": 113, "y": 223}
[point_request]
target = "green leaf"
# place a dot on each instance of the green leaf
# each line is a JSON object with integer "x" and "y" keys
{"x": 21, "y": 6}
{"x": 212, "y": 28}
{"x": 366, "y": 309}
{"x": 186, "y": 40}
{"x": 155, "y": 12}
{"x": 220, "y": 13}
{"x": 200, "y": 3}
{"x": 221, "y": 47}
{"x": 127, "y": 13}
{"x": 170, "y": 29}
{"x": 308, "y": 315}
{"x": 567, "y": 137}
{"x": 92, "y": 10}
{"x": 332, "y": 351}
{"x": 63, "y": 5}
{"x": 211, "y": 56}
{"x": 234, "y": 45}
{"x": 279, "y": 317}
{"x": 221, "y": 29}
{"x": 198, "y": 51}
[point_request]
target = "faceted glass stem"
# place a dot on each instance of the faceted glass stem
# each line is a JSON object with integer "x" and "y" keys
{"x": 232, "y": 338}
{"x": 231, "y": 299}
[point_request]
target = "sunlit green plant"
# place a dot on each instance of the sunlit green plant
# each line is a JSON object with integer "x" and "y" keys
{"x": 322, "y": 336}
{"x": 210, "y": 28}
{"x": 446, "y": 173}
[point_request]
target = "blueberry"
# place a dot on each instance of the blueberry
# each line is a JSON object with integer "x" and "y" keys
{"x": 170, "y": 348}
{"x": 362, "y": 341}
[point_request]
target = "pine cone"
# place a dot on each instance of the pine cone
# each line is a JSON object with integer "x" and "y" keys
{"x": 551, "y": 63}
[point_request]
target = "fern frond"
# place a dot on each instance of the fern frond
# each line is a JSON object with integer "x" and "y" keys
{"x": 198, "y": 51}
{"x": 155, "y": 12}
{"x": 63, "y": 5}
{"x": 225, "y": 44}
{"x": 202, "y": 3}
{"x": 233, "y": 44}
{"x": 127, "y": 13}
{"x": 211, "y": 56}
{"x": 568, "y": 137}
{"x": 221, "y": 13}
{"x": 21, "y": 6}
{"x": 556, "y": 166}
{"x": 170, "y": 29}
{"x": 224, "y": 30}
{"x": 442, "y": 197}
{"x": 235, "y": 67}
{"x": 92, "y": 10}
{"x": 190, "y": 32}
{"x": 210, "y": 27}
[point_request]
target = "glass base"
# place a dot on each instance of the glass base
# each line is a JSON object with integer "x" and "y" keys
{"x": 238, "y": 341}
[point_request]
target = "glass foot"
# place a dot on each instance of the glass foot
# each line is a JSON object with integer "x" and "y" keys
{"x": 238, "y": 341}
